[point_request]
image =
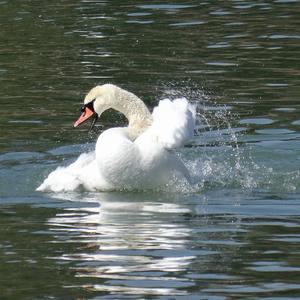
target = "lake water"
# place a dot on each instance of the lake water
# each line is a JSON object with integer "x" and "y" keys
{"x": 236, "y": 233}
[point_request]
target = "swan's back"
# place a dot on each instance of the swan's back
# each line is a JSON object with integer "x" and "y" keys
{"x": 173, "y": 122}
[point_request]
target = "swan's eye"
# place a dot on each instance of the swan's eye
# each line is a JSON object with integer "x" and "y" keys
{"x": 90, "y": 105}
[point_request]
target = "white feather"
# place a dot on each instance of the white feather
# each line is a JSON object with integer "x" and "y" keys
{"x": 173, "y": 122}
{"x": 134, "y": 157}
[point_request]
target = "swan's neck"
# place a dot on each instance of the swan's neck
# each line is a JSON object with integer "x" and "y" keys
{"x": 134, "y": 109}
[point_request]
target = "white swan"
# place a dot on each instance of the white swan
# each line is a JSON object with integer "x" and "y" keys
{"x": 133, "y": 157}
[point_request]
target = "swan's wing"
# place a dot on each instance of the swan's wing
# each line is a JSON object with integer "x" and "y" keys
{"x": 83, "y": 172}
{"x": 173, "y": 122}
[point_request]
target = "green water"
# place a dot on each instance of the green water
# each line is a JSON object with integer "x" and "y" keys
{"x": 233, "y": 236}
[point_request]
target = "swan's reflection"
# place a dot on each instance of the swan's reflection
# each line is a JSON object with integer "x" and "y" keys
{"x": 128, "y": 242}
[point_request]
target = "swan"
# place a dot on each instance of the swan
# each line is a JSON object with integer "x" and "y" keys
{"x": 138, "y": 156}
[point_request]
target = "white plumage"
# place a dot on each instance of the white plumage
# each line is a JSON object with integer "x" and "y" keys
{"x": 173, "y": 122}
{"x": 133, "y": 157}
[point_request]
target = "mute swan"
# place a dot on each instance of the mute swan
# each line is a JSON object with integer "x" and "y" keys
{"x": 133, "y": 157}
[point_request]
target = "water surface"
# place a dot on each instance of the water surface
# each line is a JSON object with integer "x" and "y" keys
{"x": 235, "y": 234}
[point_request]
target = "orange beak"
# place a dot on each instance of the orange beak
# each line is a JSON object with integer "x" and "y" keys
{"x": 86, "y": 114}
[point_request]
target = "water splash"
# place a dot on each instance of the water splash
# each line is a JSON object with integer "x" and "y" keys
{"x": 218, "y": 156}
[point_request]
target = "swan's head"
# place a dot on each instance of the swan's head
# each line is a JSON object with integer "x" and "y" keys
{"x": 107, "y": 96}
{"x": 98, "y": 99}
